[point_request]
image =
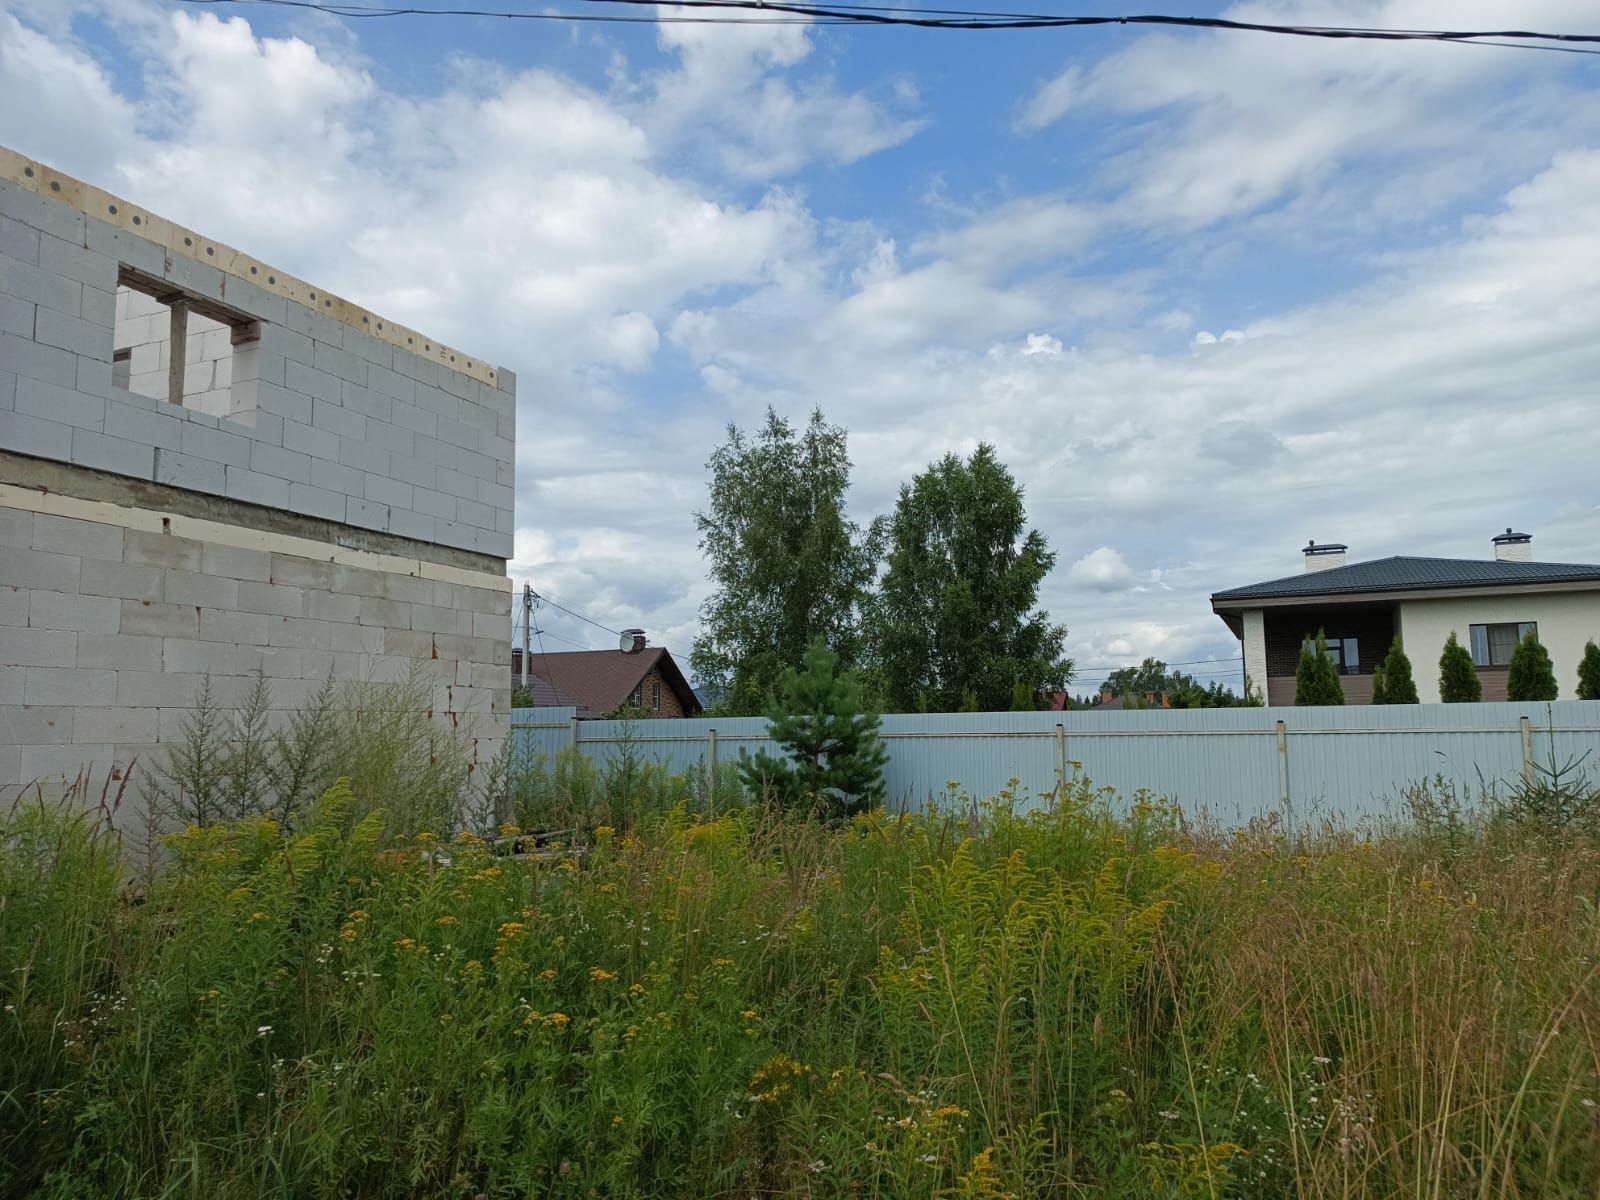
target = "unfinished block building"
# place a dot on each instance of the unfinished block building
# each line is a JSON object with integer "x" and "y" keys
{"x": 211, "y": 468}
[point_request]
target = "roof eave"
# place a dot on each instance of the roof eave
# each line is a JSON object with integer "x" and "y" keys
{"x": 1224, "y": 602}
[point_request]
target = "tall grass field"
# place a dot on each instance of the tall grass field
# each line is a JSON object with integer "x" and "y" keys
{"x": 681, "y": 998}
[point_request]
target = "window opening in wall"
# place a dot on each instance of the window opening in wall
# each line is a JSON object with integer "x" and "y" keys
{"x": 655, "y": 695}
{"x": 1345, "y": 652}
{"x": 216, "y": 370}
{"x": 1492, "y": 644}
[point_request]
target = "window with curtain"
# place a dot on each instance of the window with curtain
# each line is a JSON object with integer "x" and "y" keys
{"x": 1492, "y": 644}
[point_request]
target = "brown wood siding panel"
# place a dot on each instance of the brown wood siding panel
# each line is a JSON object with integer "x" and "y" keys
{"x": 1373, "y": 628}
{"x": 1357, "y": 689}
{"x": 1493, "y": 680}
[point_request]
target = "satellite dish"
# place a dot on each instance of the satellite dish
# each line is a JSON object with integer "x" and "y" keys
{"x": 631, "y": 641}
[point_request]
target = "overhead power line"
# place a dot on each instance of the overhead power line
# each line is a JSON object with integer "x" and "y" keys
{"x": 725, "y": 12}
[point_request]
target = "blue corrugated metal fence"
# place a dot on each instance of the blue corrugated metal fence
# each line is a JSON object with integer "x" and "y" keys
{"x": 1232, "y": 764}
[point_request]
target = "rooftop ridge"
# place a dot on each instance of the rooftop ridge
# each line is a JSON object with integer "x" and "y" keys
{"x": 51, "y": 184}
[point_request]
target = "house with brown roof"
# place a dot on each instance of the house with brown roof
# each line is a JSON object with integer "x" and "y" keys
{"x": 598, "y": 682}
{"x": 1363, "y": 607}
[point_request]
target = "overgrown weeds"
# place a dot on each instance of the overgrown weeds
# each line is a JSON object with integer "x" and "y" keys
{"x": 1089, "y": 1001}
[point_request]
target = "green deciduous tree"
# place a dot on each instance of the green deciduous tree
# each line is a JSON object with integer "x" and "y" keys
{"x": 1531, "y": 675}
{"x": 832, "y": 760}
{"x": 1316, "y": 679}
{"x": 1399, "y": 687}
{"x": 1589, "y": 672}
{"x": 1458, "y": 678}
{"x": 1154, "y": 679}
{"x": 956, "y": 613}
{"x": 787, "y": 564}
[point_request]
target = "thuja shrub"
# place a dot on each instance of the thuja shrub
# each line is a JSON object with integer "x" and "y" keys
{"x": 1097, "y": 998}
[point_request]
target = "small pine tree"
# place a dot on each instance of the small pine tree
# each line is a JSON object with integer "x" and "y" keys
{"x": 834, "y": 762}
{"x": 1531, "y": 675}
{"x": 1380, "y": 693}
{"x": 1589, "y": 672}
{"x": 1316, "y": 679}
{"x": 1458, "y": 678}
{"x": 1398, "y": 685}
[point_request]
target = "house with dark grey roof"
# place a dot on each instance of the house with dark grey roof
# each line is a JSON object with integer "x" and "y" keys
{"x": 598, "y": 682}
{"x": 1362, "y": 607}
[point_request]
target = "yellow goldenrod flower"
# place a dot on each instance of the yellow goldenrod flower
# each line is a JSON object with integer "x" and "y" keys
{"x": 617, "y": 1120}
{"x": 512, "y": 929}
{"x": 258, "y": 916}
{"x": 748, "y": 1014}
{"x": 600, "y": 976}
{"x": 359, "y": 914}
{"x": 446, "y": 920}
{"x": 559, "y": 1019}
{"x": 405, "y": 943}
{"x": 636, "y": 989}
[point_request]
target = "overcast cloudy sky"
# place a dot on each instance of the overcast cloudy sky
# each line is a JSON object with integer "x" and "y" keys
{"x": 1209, "y": 294}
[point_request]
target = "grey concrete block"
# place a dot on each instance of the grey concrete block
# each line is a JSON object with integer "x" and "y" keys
{"x": 156, "y": 619}
{"x": 458, "y": 433}
{"x": 28, "y": 359}
{"x": 338, "y": 419}
{"x": 391, "y": 438}
{"x": 390, "y": 614}
{"x": 114, "y": 724}
{"x": 150, "y": 427}
{"x": 434, "y": 620}
{"x": 35, "y": 724}
{"x": 68, "y": 685}
{"x": 410, "y": 471}
{"x": 256, "y": 488}
{"x": 481, "y": 418}
{"x": 300, "y": 572}
{"x": 35, "y": 569}
{"x": 74, "y": 334}
{"x": 235, "y": 562}
{"x": 160, "y": 689}
{"x": 331, "y": 606}
{"x": 312, "y": 501}
{"x": 94, "y": 377}
{"x": 362, "y": 344}
{"x": 124, "y": 246}
{"x": 16, "y": 316}
{"x": 241, "y": 628}
{"x": 457, "y": 384}
{"x": 194, "y": 657}
{"x": 499, "y": 544}
{"x": 114, "y": 454}
{"x": 470, "y": 512}
{"x": 188, "y": 471}
{"x": 257, "y": 301}
{"x": 507, "y": 427}
{"x": 30, "y": 435}
{"x": 218, "y": 445}
{"x": 335, "y": 477}
{"x": 74, "y": 260}
{"x": 392, "y": 384}
{"x": 357, "y": 581}
{"x": 19, "y": 241}
{"x": 38, "y": 645}
{"x": 506, "y": 472}
{"x": 293, "y": 344}
{"x": 458, "y": 483}
{"x": 16, "y": 528}
{"x": 440, "y": 454}
{"x": 266, "y": 428}
{"x": 438, "y": 401}
{"x": 373, "y": 405}
{"x": 52, "y": 402}
{"x": 99, "y": 308}
{"x": 123, "y": 580}
{"x": 363, "y": 455}
{"x": 417, "y": 420}
{"x": 193, "y": 275}
{"x": 279, "y": 600}
{"x": 506, "y": 380}
{"x": 334, "y": 360}
{"x": 360, "y": 639}
{"x": 285, "y": 464}
{"x": 403, "y": 522}
{"x": 384, "y": 490}
{"x": 497, "y": 496}
{"x": 307, "y": 439}
{"x": 479, "y": 466}
{"x": 412, "y": 589}
{"x": 200, "y": 589}
{"x": 74, "y": 611}
{"x": 283, "y": 402}
{"x": 161, "y": 550}
{"x": 309, "y": 381}
{"x": 44, "y": 288}
{"x": 366, "y": 514}
{"x": 67, "y": 535}
{"x": 119, "y": 652}
{"x": 32, "y": 209}
{"x": 299, "y": 633}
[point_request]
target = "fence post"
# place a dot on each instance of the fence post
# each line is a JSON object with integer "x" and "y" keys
{"x": 1061, "y": 761}
{"x": 574, "y": 734}
{"x": 1283, "y": 775}
{"x": 711, "y": 768}
{"x": 1527, "y": 752}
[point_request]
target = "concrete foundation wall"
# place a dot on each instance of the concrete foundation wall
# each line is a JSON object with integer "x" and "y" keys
{"x": 112, "y": 616}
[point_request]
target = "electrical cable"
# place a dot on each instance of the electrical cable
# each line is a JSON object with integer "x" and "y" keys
{"x": 700, "y": 12}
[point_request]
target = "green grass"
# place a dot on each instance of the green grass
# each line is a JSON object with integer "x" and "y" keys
{"x": 1084, "y": 1002}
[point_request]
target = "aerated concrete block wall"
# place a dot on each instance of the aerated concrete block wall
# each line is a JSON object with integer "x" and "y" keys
{"x": 333, "y": 496}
